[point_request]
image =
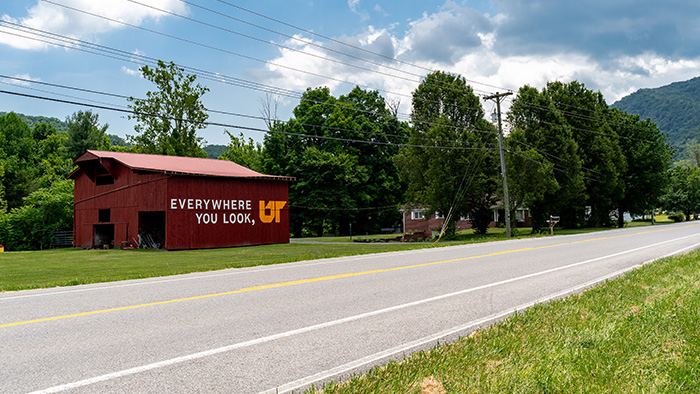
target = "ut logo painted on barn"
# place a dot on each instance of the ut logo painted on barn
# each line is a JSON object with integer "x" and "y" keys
{"x": 274, "y": 208}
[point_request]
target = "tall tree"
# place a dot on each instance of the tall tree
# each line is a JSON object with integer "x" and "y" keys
{"x": 3, "y": 202}
{"x": 18, "y": 157}
{"x": 341, "y": 154}
{"x": 544, "y": 162}
{"x": 84, "y": 132}
{"x": 649, "y": 157}
{"x": 602, "y": 161}
{"x": 246, "y": 153}
{"x": 450, "y": 164}
{"x": 168, "y": 118}
{"x": 683, "y": 191}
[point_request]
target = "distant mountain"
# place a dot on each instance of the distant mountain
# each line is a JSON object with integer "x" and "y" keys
{"x": 62, "y": 127}
{"x": 214, "y": 151}
{"x": 116, "y": 140}
{"x": 675, "y": 108}
{"x": 31, "y": 121}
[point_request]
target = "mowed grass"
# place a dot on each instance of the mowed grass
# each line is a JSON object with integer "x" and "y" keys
{"x": 639, "y": 333}
{"x": 67, "y": 267}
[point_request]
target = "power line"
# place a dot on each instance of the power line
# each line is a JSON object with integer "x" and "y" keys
{"x": 267, "y": 62}
{"x": 438, "y": 143}
{"x": 233, "y": 126}
{"x": 117, "y": 54}
{"x": 280, "y": 45}
{"x": 305, "y": 125}
{"x": 427, "y": 69}
{"x": 192, "y": 42}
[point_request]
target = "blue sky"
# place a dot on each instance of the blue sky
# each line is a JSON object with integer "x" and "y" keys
{"x": 616, "y": 47}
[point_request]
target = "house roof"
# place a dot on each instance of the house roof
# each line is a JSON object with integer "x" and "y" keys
{"x": 173, "y": 165}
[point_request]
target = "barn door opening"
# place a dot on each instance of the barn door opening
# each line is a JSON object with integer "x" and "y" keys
{"x": 152, "y": 230}
{"x": 103, "y": 236}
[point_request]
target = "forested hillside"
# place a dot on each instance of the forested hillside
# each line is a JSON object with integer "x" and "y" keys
{"x": 675, "y": 108}
{"x": 32, "y": 121}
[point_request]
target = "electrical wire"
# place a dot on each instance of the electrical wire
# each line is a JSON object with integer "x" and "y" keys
{"x": 305, "y": 125}
{"x": 233, "y": 126}
{"x": 235, "y": 53}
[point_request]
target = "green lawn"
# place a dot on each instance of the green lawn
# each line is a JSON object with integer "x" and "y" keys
{"x": 66, "y": 267}
{"x": 635, "y": 334}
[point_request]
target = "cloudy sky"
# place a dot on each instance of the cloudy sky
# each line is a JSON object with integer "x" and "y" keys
{"x": 244, "y": 49}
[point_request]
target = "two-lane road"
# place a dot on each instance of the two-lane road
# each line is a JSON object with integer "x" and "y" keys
{"x": 286, "y": 326}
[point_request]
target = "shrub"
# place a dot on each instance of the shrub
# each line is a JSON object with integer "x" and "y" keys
{"x": 45, "y": 211}
{"x": 677, "y": 217}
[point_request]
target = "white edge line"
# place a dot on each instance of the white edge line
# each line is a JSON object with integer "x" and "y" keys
{"x": 206, "y": 353}
{"x": 463, "y": 329}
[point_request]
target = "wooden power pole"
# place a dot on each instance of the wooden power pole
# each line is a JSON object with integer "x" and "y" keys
{"x": 497, "y": 98}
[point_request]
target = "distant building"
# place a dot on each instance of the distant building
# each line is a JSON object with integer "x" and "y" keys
{"x": 417, "y": 220}
{"x": 175, "y": 202}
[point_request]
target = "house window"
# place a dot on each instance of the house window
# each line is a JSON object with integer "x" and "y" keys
{"x": 104, "y": 216}
{"x": 417, "y": 215}
{"x": 438, "y": 216}
{"x": 520, "y": 215}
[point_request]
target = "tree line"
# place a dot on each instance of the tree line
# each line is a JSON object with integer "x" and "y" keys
{"x": 36, "y": 199}
{"x": 357, "y": 164}
{"x": 568, "y": 155}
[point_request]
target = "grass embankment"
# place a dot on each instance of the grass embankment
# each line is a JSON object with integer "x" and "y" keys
{"x": 635, "y": 334}
{"x": 66, "y": 267}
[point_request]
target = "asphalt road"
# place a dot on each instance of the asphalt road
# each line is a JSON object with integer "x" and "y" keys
{"x": 286, "y": 326}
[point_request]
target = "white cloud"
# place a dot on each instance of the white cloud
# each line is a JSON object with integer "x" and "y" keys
{"x": 69, "y": 22}
{"x": 464, "y": 41}
{"x": 132, "y": 72}
{"x": 353, "y": 4}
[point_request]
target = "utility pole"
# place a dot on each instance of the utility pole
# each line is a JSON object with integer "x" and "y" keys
{"x": 497, "y": 98}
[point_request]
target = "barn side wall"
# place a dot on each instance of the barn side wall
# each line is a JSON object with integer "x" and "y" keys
{"x": 208, "y": 212}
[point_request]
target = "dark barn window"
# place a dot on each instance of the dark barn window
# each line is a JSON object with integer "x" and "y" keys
{"x": 104, "y": 216}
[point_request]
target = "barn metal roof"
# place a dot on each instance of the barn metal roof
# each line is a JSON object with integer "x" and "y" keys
{"x": 175, "y": 165}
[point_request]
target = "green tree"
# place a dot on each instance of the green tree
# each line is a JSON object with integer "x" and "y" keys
{"x": 683, "y": 191}
{"x": 602, "y": 161}
{"x": 51, "y": 160}
{"x": 84, "y": 132}
{"x": 648, "y": 156}
{"x": 18, "y": 158}
{"x": 450, "y": 162}
{"x": 544, "y": 166}
{"x": 246, "y": 153}
{"x": 3, "y": 202}
{"x": 341, "y": 154}
{"x": 168, "y": 118}
{"x": 44, "y": 212}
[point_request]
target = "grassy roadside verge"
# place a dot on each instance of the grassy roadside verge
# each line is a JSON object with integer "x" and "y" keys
{"x": 635, "y": 334}
{"x": 67, "y": 267}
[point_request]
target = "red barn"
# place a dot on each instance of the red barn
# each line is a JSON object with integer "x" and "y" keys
{"x": 175, "y": 202}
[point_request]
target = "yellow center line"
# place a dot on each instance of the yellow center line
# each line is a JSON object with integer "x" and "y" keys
{"x": 325, "y": 278}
